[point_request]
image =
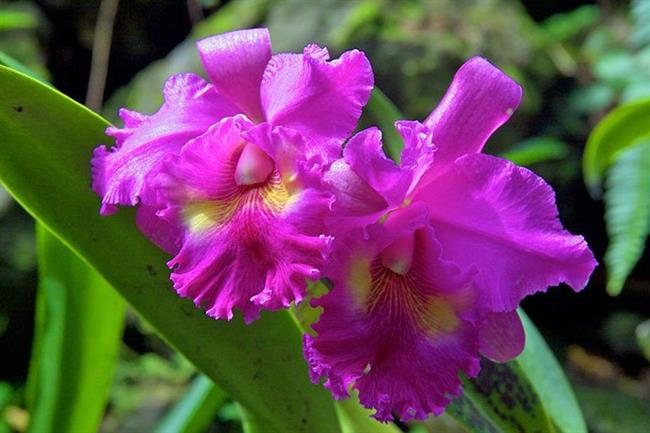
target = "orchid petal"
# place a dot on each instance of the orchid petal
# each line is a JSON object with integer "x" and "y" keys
{"x": 502, "y": 337}
{"x": 320, "y": 98}
{"x": 479, "y": 100}
{"x": 501, "y": 218}
{"x": 235, "y": 63}
{"x": 121, "y": 175}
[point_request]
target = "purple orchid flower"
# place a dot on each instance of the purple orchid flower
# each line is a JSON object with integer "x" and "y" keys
{"x": 227, "y": 174}
{"x": 432, "y": 256}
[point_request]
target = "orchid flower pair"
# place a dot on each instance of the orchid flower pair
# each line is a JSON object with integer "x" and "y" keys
{"x": 254, "y": 184}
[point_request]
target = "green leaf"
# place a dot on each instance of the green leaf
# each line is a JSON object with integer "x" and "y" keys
{"x": 79, "y": 322}
{"x": 500, "y": 399}
{"x": 627, "y": 212}
{"x": 251, "y": 424}
{"x": 47, "y": 142}
{"x": 616, "y": 132}
{"x": 385, "y": 114}
{"x": 535, "y": 150}
{"x": 17, "y": 20}
{"x": 528, "y": 394}
{"x": 549, "y": 381}
{"x": 7, "y": 60}
{"x": 196, "y": 410}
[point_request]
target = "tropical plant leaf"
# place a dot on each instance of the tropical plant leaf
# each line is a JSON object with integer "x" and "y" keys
{"x": 500, "y": 399}
{"x": 251, "y": 424}
{"x": 616, "y": 132}
{"x": 16, "y": 19}
{"x": 196, "y": 410}
{"x": 549, "y": 381}
{"x": 535, "y": 150}
{"x": 47, "y": 141}
{"x": 77, "y": 337}
{"x": 528, "y": 394}
{"x": 79, "y": 322}
{"x": 7, "y": 60}
{"x": 627, "y": 212}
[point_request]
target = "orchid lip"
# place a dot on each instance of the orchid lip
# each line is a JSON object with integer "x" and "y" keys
{"x": 254, "y": 166}
{"x": 398, "y": 256}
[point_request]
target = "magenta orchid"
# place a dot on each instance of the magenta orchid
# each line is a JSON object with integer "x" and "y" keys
{"x": 227, "y": 173}
{"x": 432, "y": 256}
{"x": 243, "y": 181}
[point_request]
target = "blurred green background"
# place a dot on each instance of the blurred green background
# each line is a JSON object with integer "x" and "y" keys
{"x": 576, "y": 60}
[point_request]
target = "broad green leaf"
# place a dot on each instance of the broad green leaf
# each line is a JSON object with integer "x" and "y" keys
{"x": 617, "y": 131}
{"x": 196, "y": 410}
{"x": 7, "y": 60}
{"x": 549, "y": 381}
{"x": 528, "y": 394}
{"x": 79, "y": 321}
{"x": 47, "y": 142}
{"x": 251, "y": 424}
{"x": 77, "y": 337}
{"x": 14, "y": 19}
{"x": 627, "y": 212}
{"x": 144, "y": 94}
{"x": 500, "y": 399}
{"x": 384, "y": 112}
{"x": 535, "y": 150}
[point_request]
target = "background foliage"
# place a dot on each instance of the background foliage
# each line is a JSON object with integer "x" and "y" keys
{"x": 577, "y": 62}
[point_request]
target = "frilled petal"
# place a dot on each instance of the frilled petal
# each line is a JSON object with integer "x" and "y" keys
{"x": 400, "y": 340}
{"x": 320, "y": 98}
{"x": 479, "y": 100}
{"x": 242, "y": 247}
{"x": 501, "y": 336}
{"x": 122, "y": 175}
{"x": 502, "y": 218}
{"x": 235, "y": 63}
